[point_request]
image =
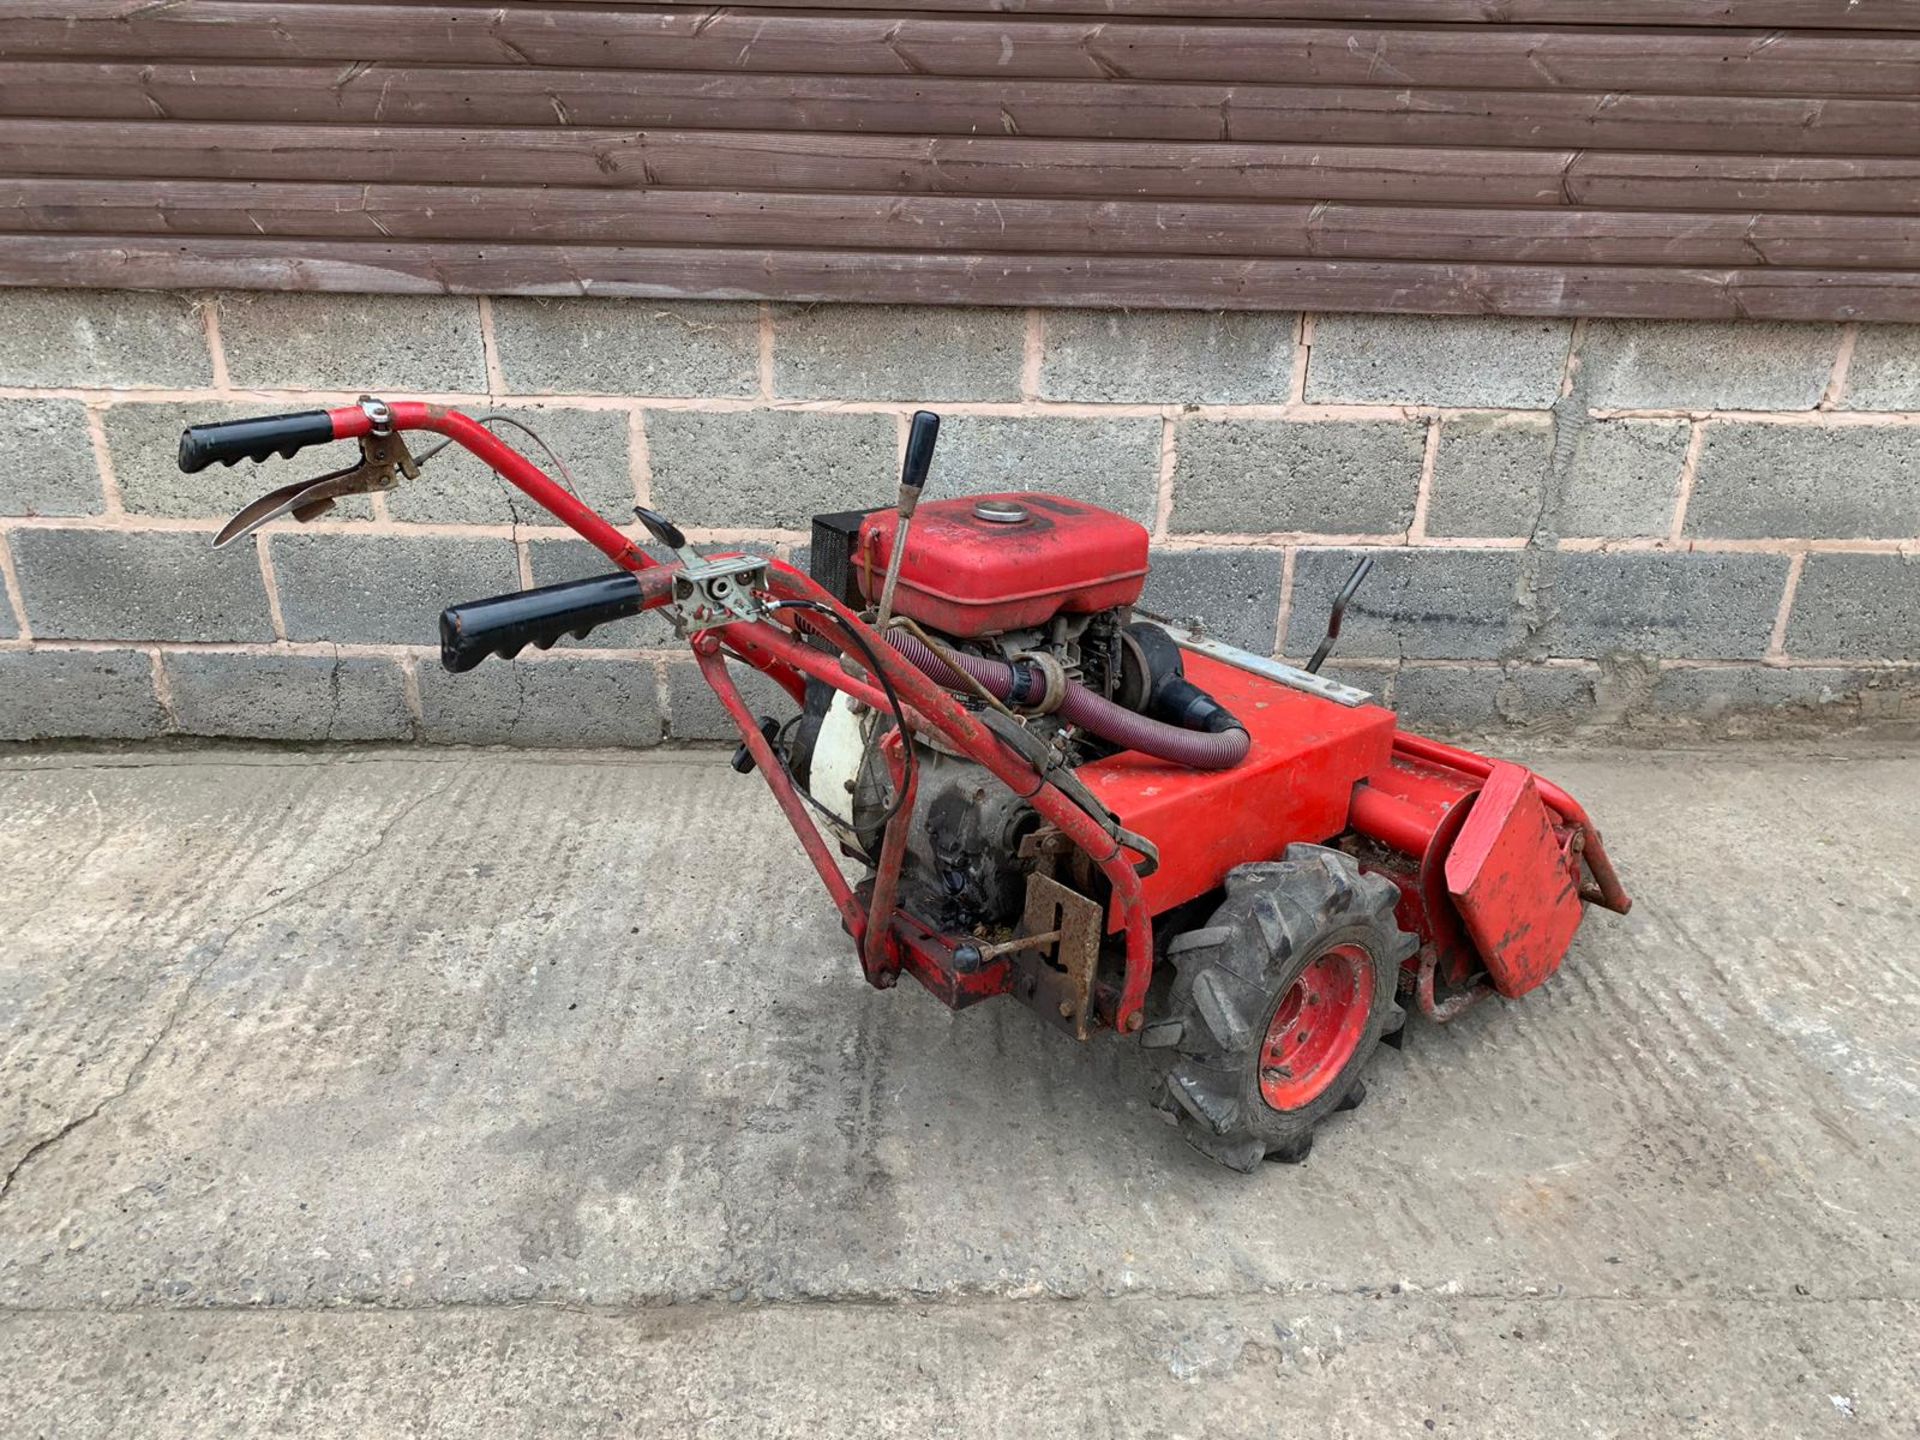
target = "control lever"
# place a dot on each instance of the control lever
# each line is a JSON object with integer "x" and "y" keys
{"x": 666, "y": 533}
{"x": 1339, "y": 613}
{"x": 707, "y": 593}
{"x": 743, "y": 761}
{"x": 384, "y": 458}
{"x": 913, "y": 479}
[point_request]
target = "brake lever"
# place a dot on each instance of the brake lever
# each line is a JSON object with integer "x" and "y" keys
{"x": 383, "y": 460}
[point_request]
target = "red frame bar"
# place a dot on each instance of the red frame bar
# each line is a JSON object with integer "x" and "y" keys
{"x": 350, "y": 422}
{"x": 878, "y": 957}
{"x": 714, "y": 670}
{"x": 1390, "y": 820}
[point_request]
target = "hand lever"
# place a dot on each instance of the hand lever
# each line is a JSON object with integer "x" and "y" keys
{"x": 383, "y": 460}
{"x": 666, "y": 533}
{"x": 1339, "y": 613}
{"x": 921, "y": 437}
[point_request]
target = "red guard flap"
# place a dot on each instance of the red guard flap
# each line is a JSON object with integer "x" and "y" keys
{"x": 1514, "y": 890}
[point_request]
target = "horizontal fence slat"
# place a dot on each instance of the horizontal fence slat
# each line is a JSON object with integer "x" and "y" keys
{"x": 992, "y": 166}
{"x": 1793, "y": 14}
{"x": 964, "y": 224}
{"x": 1702, "y": 61}
{"x": 1351, "y": 115}
{"x": 1155, "y": 282}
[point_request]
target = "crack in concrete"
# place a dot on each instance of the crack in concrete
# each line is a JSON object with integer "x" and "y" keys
{"x": 199, "y": 972}
{"x": 352, "y": 862}
{"x": 47, "y": 1142}
{"x": 134, "y": 1072}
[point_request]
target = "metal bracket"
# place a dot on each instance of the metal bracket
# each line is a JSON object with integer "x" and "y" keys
{"x": 1291, "y": 676}
{"x": 1029, "y": 747}
{"x": 1071, "y": 923}
{"x": 710, "y": 593}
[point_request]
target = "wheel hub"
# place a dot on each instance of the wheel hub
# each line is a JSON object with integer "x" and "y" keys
{"x": 1316, "y": 1027}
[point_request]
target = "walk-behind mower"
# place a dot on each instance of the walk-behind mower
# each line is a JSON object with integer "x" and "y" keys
{"x": 1048, "y": 794}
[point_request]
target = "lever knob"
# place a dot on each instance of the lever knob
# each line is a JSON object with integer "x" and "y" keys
{"x": 661, "y": 528}
{"x": 921, "y": 436}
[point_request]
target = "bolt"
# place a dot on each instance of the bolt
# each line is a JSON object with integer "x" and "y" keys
{"x": 1066, "y": 1010}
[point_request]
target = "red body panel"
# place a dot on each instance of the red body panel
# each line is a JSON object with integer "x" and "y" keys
{"x": 1295, "y": 784}
{"x": 968, "y": 577}
{"x": 1510, "y": 880}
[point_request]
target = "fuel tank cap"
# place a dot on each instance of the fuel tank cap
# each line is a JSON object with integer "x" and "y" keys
{"x": 1000, "y": 512}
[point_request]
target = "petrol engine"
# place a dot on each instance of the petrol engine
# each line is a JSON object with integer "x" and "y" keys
{"x": 1026, "y": 602}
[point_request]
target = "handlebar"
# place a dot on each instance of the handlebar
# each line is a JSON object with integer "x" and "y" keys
{"x": 230, "y": 441}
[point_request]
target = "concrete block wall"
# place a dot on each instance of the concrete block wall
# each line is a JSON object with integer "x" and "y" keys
{"x": 1607, "y": 525}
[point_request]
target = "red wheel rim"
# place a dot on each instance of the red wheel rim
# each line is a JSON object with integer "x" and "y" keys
{"x": 1316, "y": 1027}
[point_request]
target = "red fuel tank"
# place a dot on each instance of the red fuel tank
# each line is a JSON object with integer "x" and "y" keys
{"x": 982, "y": 564}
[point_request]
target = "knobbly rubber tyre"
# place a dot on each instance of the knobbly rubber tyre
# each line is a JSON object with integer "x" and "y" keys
{"x": 1249, "y": 1067}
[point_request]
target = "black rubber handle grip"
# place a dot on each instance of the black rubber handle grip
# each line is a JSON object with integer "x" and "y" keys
{"x": 255, "y": 439}
{"x": 921, "y": 436}
{"x": 506, "y": 624}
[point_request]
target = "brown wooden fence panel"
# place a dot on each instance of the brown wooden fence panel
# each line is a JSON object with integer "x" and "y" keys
{"x": 1646, "y": 157}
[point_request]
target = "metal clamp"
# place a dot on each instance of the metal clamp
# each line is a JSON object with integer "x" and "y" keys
{"x": 710, "y": 593}
{"x": 1053, "y": 672}
{"x": 706, "y": 593}
{"x": 379, "y": 414}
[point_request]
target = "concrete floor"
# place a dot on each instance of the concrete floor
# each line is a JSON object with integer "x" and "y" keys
{"x": 518, "y": 1094}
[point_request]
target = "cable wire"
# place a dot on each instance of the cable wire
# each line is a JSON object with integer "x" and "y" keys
{"x": 494, "y": 417}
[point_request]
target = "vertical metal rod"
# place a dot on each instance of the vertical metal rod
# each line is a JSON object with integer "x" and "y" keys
{"x": 913, "y": 479}
{"x": 893, "y": 563}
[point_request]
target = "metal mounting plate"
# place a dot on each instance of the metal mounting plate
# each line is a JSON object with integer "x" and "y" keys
{"x": 1277, "y": 670}
{"x": 711, "y": 593}
{"x": 1054, "y": 909}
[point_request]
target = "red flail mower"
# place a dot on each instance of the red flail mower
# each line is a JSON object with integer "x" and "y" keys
{"x": 1050, "y": 794}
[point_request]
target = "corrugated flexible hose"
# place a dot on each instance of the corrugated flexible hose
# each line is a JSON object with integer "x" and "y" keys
{"x": 1196, "y": 749}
